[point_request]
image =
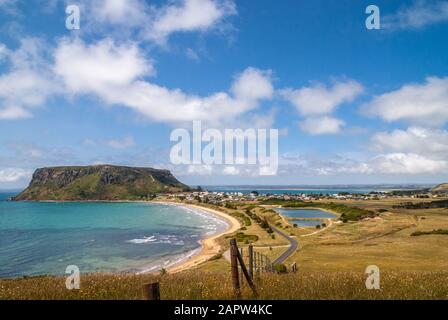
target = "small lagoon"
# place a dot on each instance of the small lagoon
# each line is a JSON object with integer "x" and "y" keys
{"x": 305, "y": 214}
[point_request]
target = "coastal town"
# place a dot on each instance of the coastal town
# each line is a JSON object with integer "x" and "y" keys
{"x": 221, "y": 197}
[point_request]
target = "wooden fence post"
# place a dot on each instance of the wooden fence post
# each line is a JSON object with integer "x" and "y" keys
{"x": 246, "y": 274}
{"x": 151, "y": 291}
{"x": 294, "y": 267}
{"x": 234, "y": 268}
{"x": 251, "y": 261}
{"x": 255, "y": 262}
{"x": 241, "y": 271}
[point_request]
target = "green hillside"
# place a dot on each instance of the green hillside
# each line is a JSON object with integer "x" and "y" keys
{"x": 102, "y": 182}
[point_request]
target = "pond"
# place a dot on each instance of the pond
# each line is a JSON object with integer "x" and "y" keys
{"x": 306, "y": 214}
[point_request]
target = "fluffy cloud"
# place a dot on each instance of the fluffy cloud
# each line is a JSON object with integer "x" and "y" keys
{"x": 391, "y": 163}
{"x": 189, "y": 15}
{"x": 317, "y": 101}
{"x": 156, "y": 23}
{"x": 99, "y": 67}
{"x": 124, "y": 143}
{"x": 320, "y": 99}
{"x": 115, "y": 74}
{"x": 120, "y": 12}
{"x": 321, "y": 125}
{"x": 200, "y": 169}
{"x": 231, "y": 170}
{"x": 416, "y": 103}
{"x": 10, "y": 175}
{"x": 422, "y": 13}
{"x": 252, "y": 85}
{"x": 415, "y": 140}
{"x": 408, "y": 163}
{"x": 27, "y": 83}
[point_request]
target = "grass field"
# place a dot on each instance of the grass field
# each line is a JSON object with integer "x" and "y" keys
{"x": 385, "y": 241}
{"x": 217, "y": 285}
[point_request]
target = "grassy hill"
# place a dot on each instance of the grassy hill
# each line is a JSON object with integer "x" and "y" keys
{"x": 102, "y": 182}
{"x": 440, "y": 188}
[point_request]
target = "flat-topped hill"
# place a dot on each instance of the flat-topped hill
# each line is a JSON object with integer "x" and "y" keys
{"x": 100, "y": 182}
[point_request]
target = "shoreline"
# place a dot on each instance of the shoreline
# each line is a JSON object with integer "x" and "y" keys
{"x": 208, "y": 245}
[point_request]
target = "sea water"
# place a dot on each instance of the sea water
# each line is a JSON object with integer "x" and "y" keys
{"x": 39, "y": 238}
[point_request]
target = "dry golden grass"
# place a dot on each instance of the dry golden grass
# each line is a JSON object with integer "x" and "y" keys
{"x": 385, "y": 241}
{"x": 217, "y": 285}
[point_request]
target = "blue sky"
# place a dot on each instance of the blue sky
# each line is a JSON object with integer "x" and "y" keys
{"x": 352, "y": 105}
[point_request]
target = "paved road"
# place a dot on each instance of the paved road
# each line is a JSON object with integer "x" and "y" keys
{"x": 292, "y": 247}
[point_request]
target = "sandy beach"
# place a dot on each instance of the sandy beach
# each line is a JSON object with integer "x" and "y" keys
{"x": 209, "y": 245}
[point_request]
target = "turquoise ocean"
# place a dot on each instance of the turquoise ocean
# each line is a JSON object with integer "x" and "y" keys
{"x": 39, "y": 238}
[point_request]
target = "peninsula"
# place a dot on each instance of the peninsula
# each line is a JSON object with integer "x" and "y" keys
{"x": 99, "y": 182}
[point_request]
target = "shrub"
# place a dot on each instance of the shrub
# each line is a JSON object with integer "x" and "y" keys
{"x": 280, "y": 268}
{"x": 242, "y": 237}
{"x": 422, "y": 233}
{"x": 216, "y": 257}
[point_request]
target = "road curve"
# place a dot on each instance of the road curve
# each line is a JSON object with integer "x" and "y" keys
{"x": 293, "y": 244}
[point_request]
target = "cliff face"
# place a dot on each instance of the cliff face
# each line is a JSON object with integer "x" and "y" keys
{"x": 103, "y": 182}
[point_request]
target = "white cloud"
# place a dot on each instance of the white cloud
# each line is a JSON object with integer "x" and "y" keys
{"x": 231, "y": 170}
{"x": 27, "y": 83}
{"x": 408, "y": 163}
{"x": 189, "y": 15}
{"x": 114, "y": 73}
{"x": 88, "y": 142}
{"x": 9, "y": 6}
{"x": 390, "y": 163}
{"x": 252, "y": 85}
{"x": 191, "y": 54}
{"x": 319, "y": 99}
{"x": 321, "y": 125}
{"x": 14, "y": 112}
{"x": 420, "y": 14}
{"x": 3, "y": 51}
{"x": 416, "y": 103}
{"x": 200, "y": 169}
{"x": 121, "y": 12}
{"x": 9, "y": 175}
{"x": 124, "y": 143}
{"x": 415, "y": 140}
{"x": 155, "y": 23}
{"x": 99, "y": 67}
